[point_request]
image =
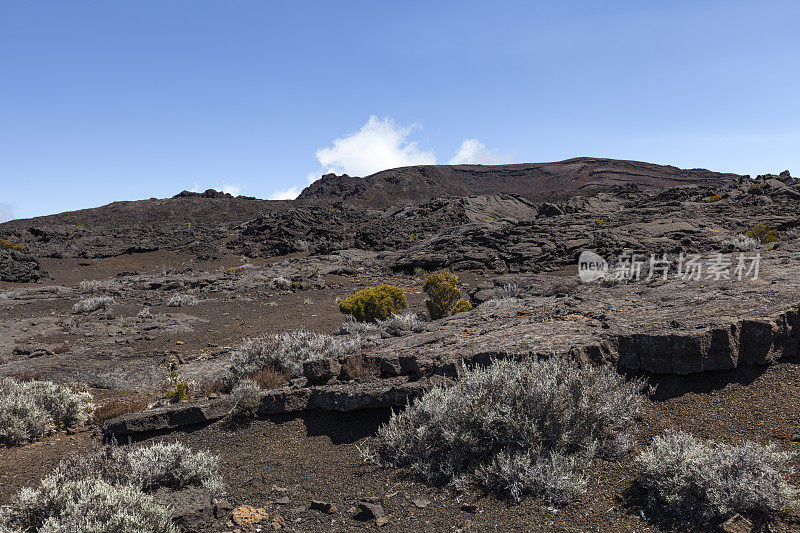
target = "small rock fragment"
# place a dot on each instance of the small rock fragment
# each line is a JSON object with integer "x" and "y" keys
{"x": 381, "y": 521}
{"x": 371, "y": 508}
{"x": 422, "y": 503}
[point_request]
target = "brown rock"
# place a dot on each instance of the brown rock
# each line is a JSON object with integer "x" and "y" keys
{"x": 371, "y": 508}
{"x": 247, "y": 515}
{"x": 321, "y": 371}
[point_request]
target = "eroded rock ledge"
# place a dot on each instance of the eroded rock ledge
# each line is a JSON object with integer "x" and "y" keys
{"x": 672, "y": 327}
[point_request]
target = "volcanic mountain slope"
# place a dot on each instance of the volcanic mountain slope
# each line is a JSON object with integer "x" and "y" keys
{"x": 192, "y": 222}
{"x": 535, "y": 181}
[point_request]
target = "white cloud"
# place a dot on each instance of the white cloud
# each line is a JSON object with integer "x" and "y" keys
{"x": 232, "y": 189}
{"x": 288, "y": 194}
{"x": 6, "y": 212}
{"x": 195, "y": 188}
{"x": 474, "y": 152}
{"x": 379, "y": 144}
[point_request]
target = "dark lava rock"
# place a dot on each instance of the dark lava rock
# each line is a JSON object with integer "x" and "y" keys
{"x": 321, "y": 371}
{"x": 19, "y": 267}
{"x": 370, "y": 509}
{"x": 169, "y": 417}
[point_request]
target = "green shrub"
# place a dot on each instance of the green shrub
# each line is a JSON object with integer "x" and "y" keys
{"x": 763, "y": 233}
{"x": 443, "y": 294}
{"x": 690, "y": 480}
{"x": 379, "y": 303}
{"x": 5, "y": 243}
{"x": 177, "y": 388}
{"x": 515, "y": 427}
{"x": 34, "y": 409}
{"x": 460, "y": 306}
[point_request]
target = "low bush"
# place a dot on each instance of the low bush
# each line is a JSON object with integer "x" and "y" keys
{"x": 395, "y": 326}
{"x": 86, "y": 506}
{"x": 509, "y": 290}
{"x": 379, "y": 303}
{"x": 443, "y": 294}
{"x": 763, "y": 233}
{"x": 712, "y": 199}
{"x": 144, "y": 313}
{"x": 269, "y": 378}
{"x": 182, "y": 300}
{"x": 281, "y": 283}
{"x": 247, "y": 395}
{"x": 175, "y": 388}
{"x": 91, "y": 286}
{"x": 460, "y": 306}
{"x": 742, "y": 242}
{"x": 285, "y": 352}
{"x": 34, "y": 409}
{"x": 95, "y": 303}
{"x": 172, "y": 465}
{"x": 106, "y": 490}
{"x": 235, "y": 270}
{"x": 515, "y": 427}
{"x": 5, "y": 243}
{"x": 690, "y": 480}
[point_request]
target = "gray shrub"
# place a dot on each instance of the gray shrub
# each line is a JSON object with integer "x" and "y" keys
{"x": 690, "y": 480}
{"x": 286, "y": 352}
{"x": 32, "y": 410}
{"x": 95, "y": 303}
{"x": 91, "y": 286}
{"x": 394, "y": 326}
{"x": 247, "y": 395}
{"x": 742, "y": 242}
{"x": 106, "y": 490}
{"x": 85, "y": 506}
{"x": 281, "y": 283}
{"x": 516, "y": 427}
{"x": 182, "y": 300}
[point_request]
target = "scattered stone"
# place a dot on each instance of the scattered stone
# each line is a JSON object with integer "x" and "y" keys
{"x": 381, "y": 521}
{"x": 370, "y": 508}
{"x": 283, "y": 500}
{"x": 796, "y": 437}
{"x": 422, "y": 503}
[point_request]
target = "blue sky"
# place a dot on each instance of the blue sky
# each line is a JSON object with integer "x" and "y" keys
{"x": 123, "y": 100}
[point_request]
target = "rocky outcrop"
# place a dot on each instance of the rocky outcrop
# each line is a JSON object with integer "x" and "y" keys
{"x": 20, "y": 267}
{"x": 169, "y": 417}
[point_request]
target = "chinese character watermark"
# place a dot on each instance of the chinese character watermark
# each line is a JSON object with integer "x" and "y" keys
{"x": 686, "y": 267}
